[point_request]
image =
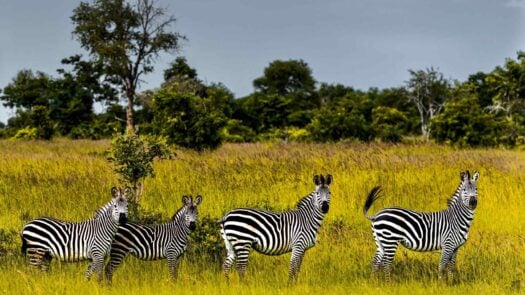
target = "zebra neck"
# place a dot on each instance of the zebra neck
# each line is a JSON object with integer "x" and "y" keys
{"x": 462, "y": 214}
{"x": 306, "y": 207}
{"x": 179, "y": 220}
{"x": 105, "y": 214}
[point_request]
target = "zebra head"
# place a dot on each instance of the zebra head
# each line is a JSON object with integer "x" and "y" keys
{"x": 468, "y": 192}
{"x": 191, "y": 212}
{"x": 120, "y": 204}
{"x": 322, "y": 192}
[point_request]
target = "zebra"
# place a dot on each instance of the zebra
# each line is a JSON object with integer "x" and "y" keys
{"x": 274, "y": 233}
{"x": 424, "y": 231}
{"x": 44, "y": 238}
{"x": 168, "y": 240}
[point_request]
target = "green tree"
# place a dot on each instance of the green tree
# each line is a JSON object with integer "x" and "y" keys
{"x": 429, "y": 91}
{"x": 345, "y": 118}
{"x": 463, "y": 122}
{"x": 292, "y": 88}
{"x": 187, "y": 120}
{"x": 508, "y": 86}
{"x": 27, "y": 90}
{"x": 181, "y": 70}
{"x": 126, "y": 38}
{"x": 389, "y": 123}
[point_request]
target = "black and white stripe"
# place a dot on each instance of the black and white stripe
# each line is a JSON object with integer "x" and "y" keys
{"x": 273, "y": 233}
{"x": 446, "y": 230}
{"x": 46, "y": 238}
{"x": 168, "y": 240}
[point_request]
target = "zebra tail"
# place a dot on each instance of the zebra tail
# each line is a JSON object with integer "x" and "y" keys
{"x": 24, "y": 246}
{"x": 372, "y": 196}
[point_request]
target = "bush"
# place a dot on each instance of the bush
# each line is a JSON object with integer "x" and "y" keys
{"x": 26, "y": 133}
{"x": 235, "y": 131}
{"x": 206, "y": 241}
{"x": 133, "y": 157}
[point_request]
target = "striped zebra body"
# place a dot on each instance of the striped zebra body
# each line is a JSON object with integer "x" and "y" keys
{"x": 446, "y": 230}
{"x": 164, "y": 241}
{"x": 273, "y": 233}
{"x": 46, "y": 238}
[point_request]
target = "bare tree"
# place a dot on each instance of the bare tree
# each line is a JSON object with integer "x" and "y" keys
{"x": 429, "y": 91}
{"x": 127, "y": 37}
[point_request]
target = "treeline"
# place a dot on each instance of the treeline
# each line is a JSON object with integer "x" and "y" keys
{"x": 287, "y": 104}
{"x": 123, "y": 39}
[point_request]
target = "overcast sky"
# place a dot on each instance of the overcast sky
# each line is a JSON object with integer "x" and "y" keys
{"x": 367, "y": 43}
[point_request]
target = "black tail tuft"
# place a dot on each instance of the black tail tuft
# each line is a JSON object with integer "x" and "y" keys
{"x": 24, "y": 246}
{"x": 372, "y": 196}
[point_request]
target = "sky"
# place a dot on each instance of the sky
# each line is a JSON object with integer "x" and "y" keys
{"x": 362, "y": 44}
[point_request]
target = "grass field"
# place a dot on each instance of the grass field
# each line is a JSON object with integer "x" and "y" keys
{"x": 70, "y": 179}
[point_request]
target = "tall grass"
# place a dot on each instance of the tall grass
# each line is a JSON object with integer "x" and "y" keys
{"x": 71, "y": 179}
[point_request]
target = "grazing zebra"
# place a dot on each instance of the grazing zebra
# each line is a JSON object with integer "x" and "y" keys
{"x": 167, "y": 240}
{"x": 273, "y": 233}
{"x": 45, "y": 238}
{"x": 447, "y": 229}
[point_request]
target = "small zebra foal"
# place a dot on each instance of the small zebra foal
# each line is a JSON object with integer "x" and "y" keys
{"x": 45, "y": 238}
{"x": 168, "y": 240}
{"x": 447, "y": 229}
{"x": 274, "y": 233}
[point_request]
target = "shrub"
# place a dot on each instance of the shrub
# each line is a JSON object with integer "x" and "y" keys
{"x": 133, "y": 157}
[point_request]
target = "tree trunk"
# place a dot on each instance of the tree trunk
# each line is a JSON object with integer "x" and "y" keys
{"x": 130, "y": 114}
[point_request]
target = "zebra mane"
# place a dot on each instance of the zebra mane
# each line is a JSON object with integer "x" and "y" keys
{"x": 454, "y": 198}
{"x": 102, "y": 211}
{"x": 178, "y": 213}
{"x": 304, "y": 202}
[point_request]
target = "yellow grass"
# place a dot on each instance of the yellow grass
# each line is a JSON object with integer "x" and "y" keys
{"x": 70, "y": 179}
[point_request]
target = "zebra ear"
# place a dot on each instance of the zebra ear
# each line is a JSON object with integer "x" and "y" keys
{"x": 114, "y": 192}
{"x": 198, "y": 200}
{"x": 475, "y": 177}
{"x": 185, "y": 200}
{"x": 462, "y": 175}
{"x": 127, "y": 191}
{"x": 317, "y": 180}
{"x": 329, "y": 179}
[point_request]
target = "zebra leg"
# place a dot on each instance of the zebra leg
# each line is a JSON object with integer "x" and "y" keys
{"x": 377, "y": 261}
{"x": 295, "y": 264}
{"x": 96, "y": 266}
{"x": 452, "y": 272}
{"x": 229, "y": 260}
{"x": 116, "y": 258}
{"x": 241, "y": 252}
{"x": 36, "y": 257}
{"x": 378, "y": 257}
{"x": 388, "y": 257}
{"x": 446, "y": 255}
{"x": 173, "y": 264}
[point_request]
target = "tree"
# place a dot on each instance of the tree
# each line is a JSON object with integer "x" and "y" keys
{"x": 188, "y": 120}
{"x": 293, "y": 87}
{"x": 126, "y": 38}
{"x": 507, "y": 83}
{"x": 388, "y": 123}
{"x": 428, "y": 90}
{"x": 27, "y": 90}
{"x": 348, "y": 117}
{"x": 181, "y": 70}
{"x": 463, "y": 122}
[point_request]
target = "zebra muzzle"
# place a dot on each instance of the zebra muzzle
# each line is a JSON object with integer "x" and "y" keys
{"x": 122, "y": 219}
{"x": 325, "y": 207}
{"x": 473, "y": 203}
{"x": 192, "y": 225}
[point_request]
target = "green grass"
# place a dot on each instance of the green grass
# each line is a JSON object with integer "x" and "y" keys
{"x": 71, "y": 179}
